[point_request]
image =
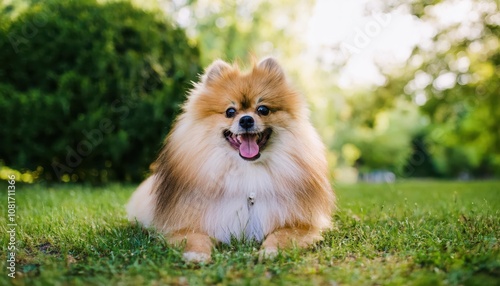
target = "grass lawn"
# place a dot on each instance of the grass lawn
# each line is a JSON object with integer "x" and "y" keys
{"x": 408, "y": 233}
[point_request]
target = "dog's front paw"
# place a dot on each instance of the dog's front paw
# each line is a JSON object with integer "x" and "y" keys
{"x": 196, "y": 257}
{"x": 267, "y": 253}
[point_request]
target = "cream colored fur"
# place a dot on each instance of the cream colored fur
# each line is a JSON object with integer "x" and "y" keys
{"x": 141, "y": 205}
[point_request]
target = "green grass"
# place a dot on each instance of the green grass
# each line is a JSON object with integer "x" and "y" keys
{"x": 409, "y": 233}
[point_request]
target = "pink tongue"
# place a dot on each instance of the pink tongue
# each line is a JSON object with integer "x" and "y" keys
{"x": 249, "y": 147}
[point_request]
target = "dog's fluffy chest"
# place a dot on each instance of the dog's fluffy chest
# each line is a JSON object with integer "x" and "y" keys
{"x": 250, "y": 207}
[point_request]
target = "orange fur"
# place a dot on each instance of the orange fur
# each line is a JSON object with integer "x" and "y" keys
{"x": 204, "y": 189}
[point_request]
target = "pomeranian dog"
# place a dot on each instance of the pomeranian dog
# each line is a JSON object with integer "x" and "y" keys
{"x": 242, "y": 161}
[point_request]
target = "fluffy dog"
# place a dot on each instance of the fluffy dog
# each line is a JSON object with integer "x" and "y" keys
{"x": 243, "y": 161}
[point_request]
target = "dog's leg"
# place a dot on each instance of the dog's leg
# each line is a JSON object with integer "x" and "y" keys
{"x": 289, "y": 237}
{"x": 198, "y": 246}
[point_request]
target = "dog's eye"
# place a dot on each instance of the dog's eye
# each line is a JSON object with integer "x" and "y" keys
{"x": 263, "y": 110}
{"x": 230, "y": 112}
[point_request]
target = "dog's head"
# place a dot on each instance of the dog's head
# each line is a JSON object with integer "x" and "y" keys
{"x": 245, "y": 112}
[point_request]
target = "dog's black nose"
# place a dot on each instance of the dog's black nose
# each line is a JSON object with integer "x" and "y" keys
{"x": 246, "y": 122}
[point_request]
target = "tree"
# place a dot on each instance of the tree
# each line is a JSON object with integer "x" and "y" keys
{"x": 238, "y": 30}
{"x": 457, "y": 85}
{"x": 88, "y": 90}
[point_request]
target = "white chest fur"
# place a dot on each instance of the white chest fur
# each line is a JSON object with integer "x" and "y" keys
{"x": 249, "y": 208}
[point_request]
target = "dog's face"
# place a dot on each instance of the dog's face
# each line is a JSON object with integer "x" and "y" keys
{"x": 245, "y": 112}
{"x": 248, "y": 136}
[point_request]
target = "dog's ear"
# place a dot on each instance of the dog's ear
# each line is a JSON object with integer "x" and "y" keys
{"x": 272, "y": 67}
{"x": 215, "y": 71}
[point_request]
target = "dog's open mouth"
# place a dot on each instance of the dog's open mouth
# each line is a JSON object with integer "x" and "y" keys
{"x": 248, "y": 144}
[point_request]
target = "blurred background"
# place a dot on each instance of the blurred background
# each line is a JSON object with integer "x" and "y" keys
{"x": 397, "y": 89}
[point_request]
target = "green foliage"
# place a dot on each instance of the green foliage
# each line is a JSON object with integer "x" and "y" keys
{"x": 382, "y": 135}
{"x": 455, "y": 132}
{"x": 463, "y": 135}
{"x": 238, "y": 30}
{"x": 88, "y": 90}
{"x": 408, "y": 233}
